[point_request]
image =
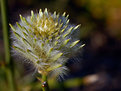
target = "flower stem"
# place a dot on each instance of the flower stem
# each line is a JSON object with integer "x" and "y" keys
{"x": 44, "y": 83}
{"x": 9, "y": 72}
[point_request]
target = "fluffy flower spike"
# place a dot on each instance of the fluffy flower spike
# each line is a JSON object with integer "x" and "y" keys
{"x": 46, "y": 39}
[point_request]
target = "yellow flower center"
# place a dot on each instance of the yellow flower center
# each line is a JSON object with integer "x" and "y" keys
{"x": 46, "y": 26}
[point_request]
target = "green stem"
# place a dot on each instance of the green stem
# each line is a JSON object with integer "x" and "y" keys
{"x": 44, "y": 83}
{"x": 8, "y": 61}
{"x": 5, "y": 30}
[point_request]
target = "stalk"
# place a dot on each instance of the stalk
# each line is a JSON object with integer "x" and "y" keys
{"x": 8, "y": 62}
{"x": 45, "y": 86}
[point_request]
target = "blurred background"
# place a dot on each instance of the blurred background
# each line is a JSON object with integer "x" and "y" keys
{"x": 96, "y": 68}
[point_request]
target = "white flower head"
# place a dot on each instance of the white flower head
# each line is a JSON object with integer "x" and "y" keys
{"x": 46, "y": 40}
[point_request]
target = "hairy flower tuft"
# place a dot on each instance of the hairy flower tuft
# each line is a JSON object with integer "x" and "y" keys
{"x": 46, "y": 40}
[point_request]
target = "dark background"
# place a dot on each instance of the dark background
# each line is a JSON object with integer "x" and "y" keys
{"x": 98, "y": 67}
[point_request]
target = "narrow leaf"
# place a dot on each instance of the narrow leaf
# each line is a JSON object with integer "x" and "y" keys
{"x": 74, "y": 43}
{"x": 56, "y": 57}
{"x": 54, "y": 67}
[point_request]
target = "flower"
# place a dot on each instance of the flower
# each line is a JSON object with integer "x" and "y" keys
{"x": 46, "y": 40}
